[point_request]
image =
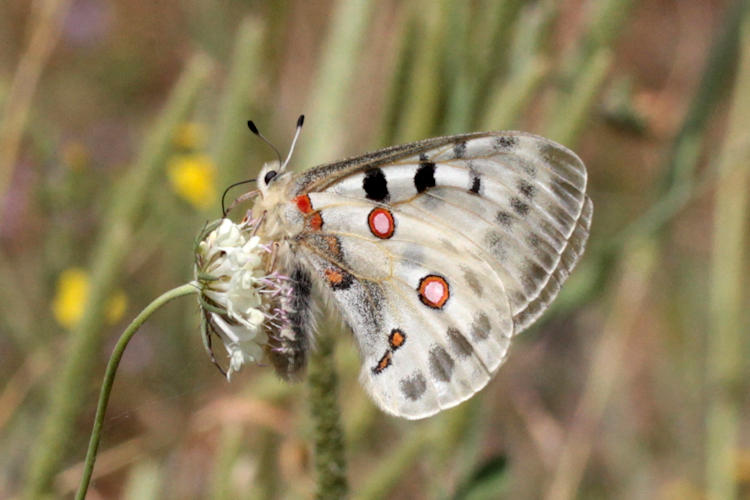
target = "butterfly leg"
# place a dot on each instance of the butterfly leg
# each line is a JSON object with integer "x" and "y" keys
{"x": 272, "y": 259}
{"x": 259, "y": 222}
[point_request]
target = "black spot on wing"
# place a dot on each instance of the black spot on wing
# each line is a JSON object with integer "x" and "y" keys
{"x": 367, "y": 304}
{"x": 425, "y": 176}
{"x": 476, "y": 184}
{"x": 520, "y": 207}
{"x": 505, "y": 142}
{"x": 375, "y": 185}
{"x": 338, "y": 279}
{"x": 480, "y": 327}
{"x": 496, "y": 244}
{"x": 459, "y": 150}
{"x": 472, "y": 280}
{"x": 526, "y": 189}
{"x": 533, "y": 275}
{"x": 517, "y": 297}
{"x": 504, "y": 218}
{"x": 459, "y": 344}
{"x": 413, "y": 386}
{"x": 441, "y": 364}
{"x": 384, "y": 363}
{"x": 533, "y": 240}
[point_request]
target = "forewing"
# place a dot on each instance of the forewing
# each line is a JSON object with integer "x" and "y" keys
{"x": 521, "y": 198}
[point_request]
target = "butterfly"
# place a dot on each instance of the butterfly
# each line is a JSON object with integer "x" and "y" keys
{"x": 435, "y": 253}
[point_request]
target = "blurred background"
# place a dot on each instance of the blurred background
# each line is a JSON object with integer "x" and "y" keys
{"x": 122, "y": 122}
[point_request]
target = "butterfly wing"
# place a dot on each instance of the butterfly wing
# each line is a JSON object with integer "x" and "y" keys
{"x": 438, "y": 252}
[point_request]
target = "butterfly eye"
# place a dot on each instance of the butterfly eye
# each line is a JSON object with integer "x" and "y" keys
{"x": 269, "y": 176}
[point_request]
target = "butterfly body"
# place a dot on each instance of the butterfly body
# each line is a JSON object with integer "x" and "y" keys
{"x": 435, "y": 253}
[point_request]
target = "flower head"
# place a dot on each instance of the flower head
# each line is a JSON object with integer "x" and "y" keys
{"x": 230, "y": 266}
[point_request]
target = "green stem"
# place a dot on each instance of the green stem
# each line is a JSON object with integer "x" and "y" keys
{"x": 383, "y": 478}
{"x": 230, "y": 445}
{"x": 109, "y": 378}
{"x": 574, "y": 109}
{"x": 504, "y": 106}
{"x": 685, "y": 152}
{"x": 330, "y": 461}
{"x": 725, "y": 364}
{"x": 112, "y": 248}
{"x": 423, "y": 92}
{"x": 18, "y": 101}
{"x": 231, "y": 137}
{"x": 340, "y": 58}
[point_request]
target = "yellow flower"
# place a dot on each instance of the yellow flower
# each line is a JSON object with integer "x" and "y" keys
{"x": 70, "y": 298}
{"x": 190, "y": 136}
{"x": 193, "y": 177}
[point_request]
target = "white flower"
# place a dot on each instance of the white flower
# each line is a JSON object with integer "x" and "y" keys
{"x": 230, "y": 265}
{"x": 242, "y": 344}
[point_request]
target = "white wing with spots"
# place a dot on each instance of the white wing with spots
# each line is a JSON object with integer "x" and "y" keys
{"x": 437, "y": 253}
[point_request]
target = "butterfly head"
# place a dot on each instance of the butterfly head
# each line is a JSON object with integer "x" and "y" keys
{"x": 268, "y": 175}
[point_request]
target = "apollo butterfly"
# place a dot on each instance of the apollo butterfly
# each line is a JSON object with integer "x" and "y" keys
{"x": 435, "y": 253}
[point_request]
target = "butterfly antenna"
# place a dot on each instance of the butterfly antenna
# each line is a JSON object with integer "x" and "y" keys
{"x": 223, "y": 196}
{"x": 254, "y": 130}
{"x": 300, "y": 122}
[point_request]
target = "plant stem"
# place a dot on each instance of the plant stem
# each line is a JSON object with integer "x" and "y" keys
{"x": 231, "y": 137}
{"x": 49, "y": 15}
{"x": 638, "y": 264}
{"x": 505, "y": 105}
{"x": 384, "y": 476}
{"x": 109, "y": 377}
{"x": 423, "y": 88}
{"x": 574, "y": 109}
{"x": 337, "y": 70}
{"x": 725, "y": 364}
{"x": 685, "y": 152}
{"x": 330, "y": 461}
{"x": 113, "y": 246}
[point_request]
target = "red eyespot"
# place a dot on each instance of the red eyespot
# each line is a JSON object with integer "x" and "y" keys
{"x": 433, "y": 291}
{"x": 384, "y": 363}
{"x": 337, "y": 278}
{"x": 303, "y": 203}
{"x": 381, "y": 223}
{"x": 396, "y": 339}
{"x": 334, "y": 276}
{"x": 315, "y": 221}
